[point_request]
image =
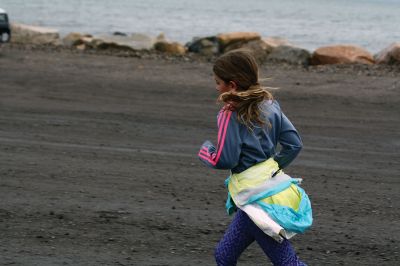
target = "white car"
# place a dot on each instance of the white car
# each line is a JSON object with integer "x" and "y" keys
{"x": 5, "y": 32}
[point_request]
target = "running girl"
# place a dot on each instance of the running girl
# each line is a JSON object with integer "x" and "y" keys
{"x": 271, "y": 207}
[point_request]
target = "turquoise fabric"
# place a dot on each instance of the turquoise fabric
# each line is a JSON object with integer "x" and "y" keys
{"x": 229, "y": 205}
{"x": 296, "y": 221}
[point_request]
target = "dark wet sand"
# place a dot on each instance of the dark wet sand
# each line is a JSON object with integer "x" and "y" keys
{"x": 99, "y": 167}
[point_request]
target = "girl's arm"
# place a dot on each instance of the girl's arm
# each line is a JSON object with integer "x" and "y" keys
{"x": 226, "y": 154}
{"x": 290, "y": 141}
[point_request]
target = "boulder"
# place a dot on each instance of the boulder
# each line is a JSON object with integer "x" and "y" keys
{"x": 258, "y": 48}
{"x": 389, "y": 55}
{"x": 226, "y": 39}
{"x": 290, "y": 54}
{"x": 110, "y": 43}
{"x": 144, "y": 42}
{"x": 133, "y": 42}
{"x": 170, "y": 48}
{"x": 161, "y": 37}
{"x": 72, "y": 39}
{"x": 206, "y": 46}
{"x": 27, "y": 34}
{"x": 87, "y": 38}
{"x": 341, "y": 54}
{"x": 274, "y": 42}
{"x": 81, "y": 47}
{"x": 88, "y": 41}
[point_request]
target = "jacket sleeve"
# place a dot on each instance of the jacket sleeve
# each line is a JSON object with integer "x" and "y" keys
{"x": 290, "y": 141}
{"x": 226, "y": 154}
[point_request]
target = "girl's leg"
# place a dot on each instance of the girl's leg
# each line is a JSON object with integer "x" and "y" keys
{"x": 236, "y": 239}
{"x": 279, "y": 253}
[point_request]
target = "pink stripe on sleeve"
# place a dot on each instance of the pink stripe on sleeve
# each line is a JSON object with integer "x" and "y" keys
{"x": 221, "y": 122}
{"x": 221, "y": 145}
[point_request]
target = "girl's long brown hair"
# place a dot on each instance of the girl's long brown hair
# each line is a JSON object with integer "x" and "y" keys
{"x": 240, "y": 67}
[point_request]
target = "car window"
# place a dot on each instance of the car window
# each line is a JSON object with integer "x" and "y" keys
{"x": 3, "y": 18}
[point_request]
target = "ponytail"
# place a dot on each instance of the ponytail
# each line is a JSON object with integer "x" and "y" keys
{"x": 247, "y": 104}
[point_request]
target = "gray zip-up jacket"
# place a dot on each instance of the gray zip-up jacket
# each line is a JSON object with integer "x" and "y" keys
{"x": 240, "y": 148}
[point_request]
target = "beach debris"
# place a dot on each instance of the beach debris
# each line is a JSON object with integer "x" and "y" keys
{"x": 341, "y": 54}
{"x": 226, "y": 39}
{"x": 389, "y": 55}
{"x": 290, "y": 54}
{"x": 27, "y": 34}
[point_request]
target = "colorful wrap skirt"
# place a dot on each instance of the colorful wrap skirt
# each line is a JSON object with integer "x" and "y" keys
{"x": 275, "y": 203}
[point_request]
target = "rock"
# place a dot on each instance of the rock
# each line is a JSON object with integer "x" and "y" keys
{"x": 389, "y": 55}
{"x": 258, "y": 48}
{"x": 72, "y": 39}
{"x": 27, "y": 34}
{"x": 87, "y": 42}
{"x": 206, "y": 46}
{"x": 274, "y": 42}
{"x": 118, "y": 33}
{"x": 290, "y": 54}
{"x": 111, "y": 43}
{"x": 341, "y": 54}
{"x": 161, "y": 37}
{"x": 81, "y": 47}
{"x": 133, "y": 42}
{"x": 226, "y": 39}
{"x": 87, "y": 39}
{"x": 144, "y": 42}
{"x": 170, "y": 48}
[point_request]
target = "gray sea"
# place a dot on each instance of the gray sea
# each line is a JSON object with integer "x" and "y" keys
{"x": 373, "y": 24}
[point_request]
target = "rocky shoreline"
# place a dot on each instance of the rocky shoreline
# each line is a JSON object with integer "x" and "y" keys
{"x": 264, "y": 49}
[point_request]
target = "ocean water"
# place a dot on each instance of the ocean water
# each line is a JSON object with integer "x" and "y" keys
{"x": 373, "y": 24}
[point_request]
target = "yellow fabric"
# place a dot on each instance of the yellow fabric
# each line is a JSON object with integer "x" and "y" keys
{"x": 258, "y": 174}
{"x": 289, "y": 197}
{"x": 253, "y": 176}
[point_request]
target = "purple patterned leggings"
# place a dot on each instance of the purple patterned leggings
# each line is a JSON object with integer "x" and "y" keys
{"x": 241, "y": 233}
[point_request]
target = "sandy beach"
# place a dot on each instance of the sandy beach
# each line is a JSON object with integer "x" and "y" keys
{"x": 99, "y": 160}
